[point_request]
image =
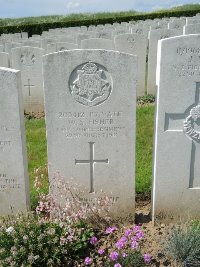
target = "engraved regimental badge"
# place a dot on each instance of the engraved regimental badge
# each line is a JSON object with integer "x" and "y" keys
{"x": 27, "y": 58}
{"x": 90, "y": 84}
{"x": 190, "y": 121}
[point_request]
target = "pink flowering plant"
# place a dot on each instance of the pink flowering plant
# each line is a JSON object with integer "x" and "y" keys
{"x": 117, "y": 247}
{"x": 58, "y": 233}
{"x": 69, "y": 230}
{"x": 66, "y": 202}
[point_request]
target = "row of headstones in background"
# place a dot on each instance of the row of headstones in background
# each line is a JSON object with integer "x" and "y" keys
{"x": 90, "y": 124}
{"x": 29, "y": 61}
{"x": 134, "y": 44}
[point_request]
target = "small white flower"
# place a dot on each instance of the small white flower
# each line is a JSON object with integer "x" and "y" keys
{"x": 9, "y": 230}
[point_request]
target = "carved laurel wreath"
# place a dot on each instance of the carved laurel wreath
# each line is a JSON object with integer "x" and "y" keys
{"x": 188, "y": 123}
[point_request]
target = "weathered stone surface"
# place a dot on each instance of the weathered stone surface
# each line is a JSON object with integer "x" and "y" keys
{"x": 33, "y": 43}
{"x": 176, "y": 183}
{"x": 29, "y": 61}
{"x": 192, "y": 29}
{"x": 4, "y": 60}
{"x": 61, "y": 46}
{"x": 10, "y": 45}
{"x": 154, "y": 36}
{"x": 90, "y": 101}
{"x": 97, "y": 43}
{"x": 135, "y": 44}
{"x": 14, "y": 184}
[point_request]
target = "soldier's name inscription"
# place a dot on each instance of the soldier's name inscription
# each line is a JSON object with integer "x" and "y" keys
{"x": 91, "y": 124}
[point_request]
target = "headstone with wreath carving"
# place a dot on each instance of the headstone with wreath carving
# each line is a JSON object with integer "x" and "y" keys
{"x": 29, "y": 61}
{"x": 90, "y": 101}
{"x": 176, "y": 185}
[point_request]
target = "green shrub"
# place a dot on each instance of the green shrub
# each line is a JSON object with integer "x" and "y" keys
{"x": 134, "y": 258}
{"x": 146, "y": 99}
{"x": 31, "y": 241}
{"x": 38, "y": 28}
{"x": 184, "y": 245}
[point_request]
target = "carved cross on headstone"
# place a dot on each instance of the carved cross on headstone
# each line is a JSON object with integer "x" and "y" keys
{"x": 29, "y": 87}
{"x": 91, "y": 161}
{"x": 187, "y": 122}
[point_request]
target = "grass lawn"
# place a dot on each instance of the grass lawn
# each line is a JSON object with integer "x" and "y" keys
{"x": 37, "y": 151}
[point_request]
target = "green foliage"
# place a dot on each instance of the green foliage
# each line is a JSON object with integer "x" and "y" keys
{"x": 37, "y": 153}
{"x": 31, "y": 241}
{"x": 184, "y": 245}
{"x": 134, "y": 258}
{"x": 144, "y": 146}
{"x": 36, "y": 25}
{"x": 146, "y": 99}
{"x": 186, "y": 7}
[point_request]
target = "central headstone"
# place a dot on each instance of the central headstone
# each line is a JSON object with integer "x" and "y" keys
{"x": 90, "y": 101}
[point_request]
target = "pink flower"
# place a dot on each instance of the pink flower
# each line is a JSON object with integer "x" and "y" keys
{"x": 124, "y": 255}
{"x": 123, "y": 239}
{"x": 134, "y": 238}
{"x": 110, "y": 230}
{"x": 117, "y": 265}
{"x": 147, "y": 258}
{"x": 101, "y": 251}
{"x": 128, "y": 232}
{"x": 134, "y": 245}
{"x": 140, "y": 235}
{"x": 136, "y": 228}
{"x": 88, "y": 261}
{"x": 119, "y": 244}
{"x": 114, "y": 255}
{"x": 93, "y": 240}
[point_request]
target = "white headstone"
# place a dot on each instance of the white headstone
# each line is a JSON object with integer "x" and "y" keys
{"x": 51, "y": 48}
{"x": 29, "y": 61}
{"x": 191, "y": 29}
{"x": 24, "y": 35}
{"x": 1, "y": 48}
{"x": 14, "y": 182}
{"x": 97, "y": 43}
{"x": 4, "y": 60}
{"x": 82, "y": 36}
{"x": 192, "y": 20}
{"x": 10, "y": 45}
{"x": 32, "y": 43}
{"x": 90, "y": 101}
{"x": 176, "y": 183}
{"x": 61, "y": 46}
{"x": 154, "y": 36}
{"x": 136, "y": 45}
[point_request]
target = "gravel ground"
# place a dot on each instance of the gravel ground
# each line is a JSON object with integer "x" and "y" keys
{"x": 155, "y": 235}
